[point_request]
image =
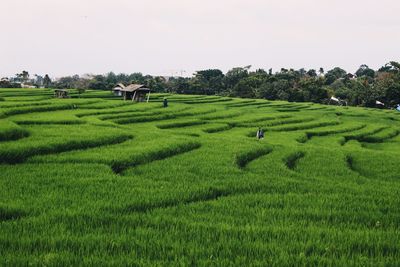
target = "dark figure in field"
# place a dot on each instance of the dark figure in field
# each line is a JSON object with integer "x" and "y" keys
{"x": 165, "y": 102}
{"x": 260, "y": 134}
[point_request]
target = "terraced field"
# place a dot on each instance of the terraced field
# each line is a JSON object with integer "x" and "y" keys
{"x": 98, "y": 181}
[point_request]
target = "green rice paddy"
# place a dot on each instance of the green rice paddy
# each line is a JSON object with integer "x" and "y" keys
{"x": 94, "y": 180}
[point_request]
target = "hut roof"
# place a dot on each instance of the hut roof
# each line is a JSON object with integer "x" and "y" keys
{"x": 118, "y": 87}
{"x": 134, "y": 87}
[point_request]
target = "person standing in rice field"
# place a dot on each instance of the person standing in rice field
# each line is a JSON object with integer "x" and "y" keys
{"x": 260, "y": 134}
{"x": 165, "y": 102}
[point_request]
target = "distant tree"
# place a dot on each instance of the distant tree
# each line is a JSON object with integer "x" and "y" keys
{"x": 38, "y": 80}
{"x": 302, "y": 72}
{"x": 122, "y": 78}
{"x": 334, "y": 74}
{"x": 392, "y": 66}
{"x": 208, "y": 74}
{"x": 247, "y": 87}
{"x": 312, "y": 73}
{"x": 233, "y": 76}
{"x": 155, "y": 83}
{"x": 389, "y": 84}
{"x": 82, "y": 83}
{"x": 311, "y": 90}
{"x": 179, "y": 85}
{"x": 338, "y": 84}
{"x": 386, "y": 68}
{"x": 392, "y": 92}
{"x": 46, "y": 81}
{"x": 111, "y": 78}
{"x": 274, "y": 89}
{"x": 211, "y": 80}
{"x": 261, "y": 71}
{"x": 395, "y": 65}
{"x": 23, "y": 76}
{"x": 364, "y": 70}
{"x": 371, "y": 94}
{"x": 136, "y": 77}
{"x": 68, "y": 82}
{"x": 289, "y": 75}
{"x": 5, "y": 83}
{"x": 321, "y": 71}
{"x": 99, "y": 82}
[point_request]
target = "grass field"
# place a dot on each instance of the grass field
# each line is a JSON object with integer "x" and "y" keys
{"x": 94, "y": 180}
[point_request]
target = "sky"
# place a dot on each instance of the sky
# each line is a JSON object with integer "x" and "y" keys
{"x": 178, "y": 37}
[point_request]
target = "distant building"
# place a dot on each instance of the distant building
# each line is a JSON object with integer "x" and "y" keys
{"x": 134, "y": 92}
{"x": 27, "y": 86}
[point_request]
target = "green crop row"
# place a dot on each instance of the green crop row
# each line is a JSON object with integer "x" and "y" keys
{"x": 119, "y": 166}
{"x": 329, "y": 131}
{"x": 11, "y": 131}
{"x": 380, "y": 136}
{"x": 291, "y": 160}
{"x": 56, "y": 121}
{"x": 158, "y": 117}
{"x": 303, "y": 126}
{"x": 45, "y": 108}
{"x": 243, "y": 158}
{"x": 85, "y": 137}
{"x": 180, "y": 124}
{"x": 216, "y": 129}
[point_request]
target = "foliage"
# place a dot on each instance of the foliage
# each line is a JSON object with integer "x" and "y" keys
{"x": 364, "y": 88}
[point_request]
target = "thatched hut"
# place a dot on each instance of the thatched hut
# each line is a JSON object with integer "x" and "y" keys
{"x": 61, "y": 93}
{"x": 134, "y": 92}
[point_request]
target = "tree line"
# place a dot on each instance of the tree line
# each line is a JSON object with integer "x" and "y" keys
{"x": 366, "y": 87}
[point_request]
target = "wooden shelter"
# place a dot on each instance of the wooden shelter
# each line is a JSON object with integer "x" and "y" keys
{"x": 117, "y": 89}
{"x": 61, "y": 93}
{"x": 134, "y": 92}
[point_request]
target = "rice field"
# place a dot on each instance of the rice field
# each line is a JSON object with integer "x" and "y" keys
{"x": 94, "y": 180}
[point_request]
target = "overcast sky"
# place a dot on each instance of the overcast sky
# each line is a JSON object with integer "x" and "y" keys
{"x": 164, "y": 37}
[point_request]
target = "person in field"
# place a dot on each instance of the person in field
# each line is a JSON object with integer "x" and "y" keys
{"x": 260, "y": 134}
{"x": 165, "y": 102}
